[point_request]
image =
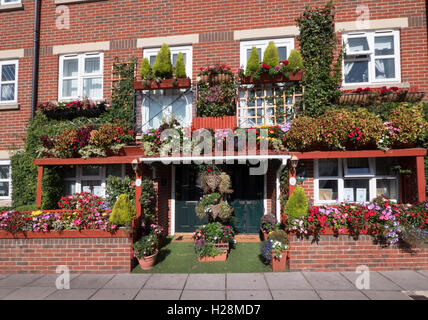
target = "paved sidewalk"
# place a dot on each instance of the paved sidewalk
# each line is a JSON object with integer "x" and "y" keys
{"x": 385, "y": 285}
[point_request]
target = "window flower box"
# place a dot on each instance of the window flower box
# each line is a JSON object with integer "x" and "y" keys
{"x": 216, "y": 78}
{"x": 179, "y": 83}
{"x": 266, "y": 78}
{"x": 74, "y": 109}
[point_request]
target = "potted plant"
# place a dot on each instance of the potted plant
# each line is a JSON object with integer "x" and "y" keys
{"x": 146, "y": 250}
{"x": 215, "y": 74}
{"x": 123, "y": 213}
{"x": 267, "y": 225}
{"x": 275, "y": 250}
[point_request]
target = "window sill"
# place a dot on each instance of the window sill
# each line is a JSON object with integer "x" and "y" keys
{"x": 11, "y": 106}
{"x": 376, "y": 85}
{"x": 60, "y": 2}
{"x": 11, "y": 7}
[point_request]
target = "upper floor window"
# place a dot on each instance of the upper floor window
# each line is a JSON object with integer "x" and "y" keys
{"x": 284, "y": 48}
{"x": 185, "y": 50}
{"x": 81, "y": 76}
{"x": 8, "y": 81}
{"x": 372, "y": 57}
{"x": 4, "y": 2}
{"x": 5, "y": 179}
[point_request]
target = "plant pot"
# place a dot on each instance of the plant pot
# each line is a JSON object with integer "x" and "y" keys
{"x": 216, "y": 78}
{"x": 278, "y": 264}
{"x": 146, "y": 263}
{"x": 264, "y": 234}
{"x": 217, "y": 258}
{"x": 266, "y": 78}
{"x": 223, "y": 246}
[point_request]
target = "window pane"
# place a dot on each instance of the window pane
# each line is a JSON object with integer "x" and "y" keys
{"x": 152, "y": 60}
{"x": 175, "y": 57}
{"x": 385, "y": 68}
{"x": 114, "y": 170}
{"x": 358, "y": 166}
{"x": 384, "y": 166}
{"x": 387, "y": 188}
{"x": 4, "y": 172}
{"x": 356, "y": 71}
{"x": 90, "y": 171}
{"x": 8, "y": 72}
{"x": 69, "y": 88}
{"x": 70, "y": 187}
{"x": 384, "y": 45}
{"x": 70, "y": 68}
{"x": 282, "y": 53}
{"x": 358, "y": 44}
{"x": 92, "y": 65}
{"x": 327, "y": 190}
{"x": 258, "y": 50}
{"x": 70, "y": 172}
{"x": 92, "y": 186}
{"x": 92, "y": 87}
{"x": 7, "y": 92}
{"x": 4, "y": 189}
{"x": 356, "y": 190}
{"x": 328, "y": 167}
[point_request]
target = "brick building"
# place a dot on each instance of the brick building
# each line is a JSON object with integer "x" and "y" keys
{"x": 79, "y": 40}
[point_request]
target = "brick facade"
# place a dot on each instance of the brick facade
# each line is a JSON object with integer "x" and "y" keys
{"x": 81, "y": 255}
{"x": 344, "y": 253}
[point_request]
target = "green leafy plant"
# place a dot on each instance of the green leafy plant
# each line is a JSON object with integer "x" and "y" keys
{"x": 180, "y": 67}
{"x": 253, "y": 62}
{"x": 148, "y": 201}
{"x": 116, "y": 186}
{"x": 295, "y": 61}
{"x": 162, "y": 67}
{"x": 216, "y": 100}
{"x": 297, "y": 205}
{"x": 270, "y": 56}
{"x": 123, "y": 211}
{"x": 146, "y": 70}
{"x": 146, "y": 246}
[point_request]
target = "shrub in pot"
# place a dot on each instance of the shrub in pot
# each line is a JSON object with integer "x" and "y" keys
{"x": 146, "y": 70}
{"x": 146, "y": 251}
{"x": 123, "y": 212}
{"x": 270, "y": 56}
{"x": 180, "y": 68}
{"x": 267, "y": 225}
{"x": 274, "y": 250}
{"x": 253, "y": 62}
{"x": 162, "y": 67}
{"x": 297, "y": 205}
{"x": 295, "y": 61}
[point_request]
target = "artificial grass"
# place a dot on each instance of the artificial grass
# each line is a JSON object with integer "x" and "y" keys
{"x": 180, "y": 257}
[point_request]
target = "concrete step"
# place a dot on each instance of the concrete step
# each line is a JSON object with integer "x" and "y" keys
{"x": 187, "y": 237}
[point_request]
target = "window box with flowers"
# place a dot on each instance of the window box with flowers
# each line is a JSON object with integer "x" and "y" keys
{"x": 215, "y": 74}
{"x": 366, "y": 96}
{"x": 70, "y": 110}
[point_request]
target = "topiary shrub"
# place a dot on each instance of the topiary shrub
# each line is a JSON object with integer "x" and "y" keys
{"x": 253, "y": 62}
{"x": 270, "y": 56}
{"x": 123, "y": 211}
{"x": 297, "y": 206}
{"x": 180, "y": 67}
{"x": 163, "y": 67}
{"x": 295, "y": 61}
{"x": 146, "y": 70}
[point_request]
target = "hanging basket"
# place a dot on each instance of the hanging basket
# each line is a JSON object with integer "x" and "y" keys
{"x": 212, "y": 181}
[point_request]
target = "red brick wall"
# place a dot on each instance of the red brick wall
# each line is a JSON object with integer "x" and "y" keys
{"x": 214, "y": 21}
{"x": 81, "y": 255}
{"x": 343, "y": 253}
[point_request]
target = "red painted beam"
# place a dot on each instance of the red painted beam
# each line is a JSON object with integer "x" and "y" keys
{"x": 413, "y": 152}
{"x": 420, "y": 176}
{"x": 39, "y": 186}
{"x": 81, "y": 161}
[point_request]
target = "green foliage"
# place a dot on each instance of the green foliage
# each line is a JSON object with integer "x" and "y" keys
{"x": 279, "y": 235}
{"x": 180, "y": 67}
{"x": 116, "y": 186}
{"x": 216, "y": 100}
{"x": 411, "y": 124}
{"x": 146, "y": 69}
{"x": 295, "y": 61}
{"x": 29, "y": 207}
{"x": 163, "y": 67}
{"x": 148, "y": 201}
{"x": 207, "y": 250}
{"x": 146, "y": 246}
{"x": 123, "y": 211}
{"x": 317, "y": 43}
{"x": 52, "y": 190}
{"x": 270, "y": 56}
{"x": 253, "y": 62}
{"x": 297, "y": 205}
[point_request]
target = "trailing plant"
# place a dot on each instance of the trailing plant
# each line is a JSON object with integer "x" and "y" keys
{"x": 162, "y": 67}
{"x": 216, "y": 100}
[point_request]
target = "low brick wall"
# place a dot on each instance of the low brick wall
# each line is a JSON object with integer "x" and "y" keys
{"x": 343, "y": 253}
{"x": 82, "y": 253}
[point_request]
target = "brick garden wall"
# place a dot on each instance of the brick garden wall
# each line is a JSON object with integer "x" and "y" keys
{"x": 81, "y": 255}
{"x": 343, "y": 253}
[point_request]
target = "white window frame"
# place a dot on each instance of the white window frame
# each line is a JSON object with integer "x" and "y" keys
{"x": 81, "y": 76}
{"x": 342, "y": 176}
{"x": 15, "y": 82}
{"x": 102, "y": 177}
{"x": 188, "y": 50}
{"x": 4, "y": 3}
{"x": 7, "y": 163}
{"x": 370, "y": 35}
{"x": 262, "y": 45}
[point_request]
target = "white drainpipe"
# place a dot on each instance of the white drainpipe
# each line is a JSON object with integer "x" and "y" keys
{"x": 278, "y": 188}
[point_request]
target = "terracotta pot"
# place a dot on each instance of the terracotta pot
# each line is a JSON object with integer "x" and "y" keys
{"x": 217, "y": 258}
{"x": 264, "y": 234}
{"x": 278, "y": 264}
{"x": 146, "y": 263}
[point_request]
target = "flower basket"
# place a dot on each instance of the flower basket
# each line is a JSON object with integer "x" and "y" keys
{"x": 216, "y": 78}
{"x": 217, "y": 258}
{"x": 265, "y": 78}
{"x": 212, "y": 180}
{"x": 414, "y": 96}
{"x": 357, "y": 99}
{"x": 278, "y": 264}
{"x": 146, "y": 263}
{"x": 179, "y": 83}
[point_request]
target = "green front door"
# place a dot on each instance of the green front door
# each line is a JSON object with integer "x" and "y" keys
{"x": 187, "y": 195}
{"x": 247, "y": 199}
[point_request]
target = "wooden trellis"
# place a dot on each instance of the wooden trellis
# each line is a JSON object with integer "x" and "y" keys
{"x": 266, "y": 104}
{"x": 115, "y": 76}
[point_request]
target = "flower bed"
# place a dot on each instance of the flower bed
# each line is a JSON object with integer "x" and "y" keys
{"x": 73, "y": 109}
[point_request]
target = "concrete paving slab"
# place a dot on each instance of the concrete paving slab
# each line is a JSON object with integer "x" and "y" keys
{"x": 386, "y": 295}
{"x": 246, "y": 281}
{"x": 72, "y": 294}
{"x": 30, "y": 293}
{"x": 328, "y": 281}
{"x": 341, "y": 295}
{"x": 206, "y": 282}
{"x": 6, "y": 291}
{"x": 49, "y": 280}
{"x": 19, "y": 280}
{"x": 203, "y": 295}
{"x": 248, "y": 295}
{"x": 423, "y": 272}
{"x": 90, "y": 281}
{"x": 408, "y": 280}
{"x": 127, "y": 281}
{"x": 166, "y": 281}
{"x": 295, "y": 295}
{"x": 158, "y": 294}
{"x": 115, "y": 294}
{"x": 376, "y": 281}
{"x": 287, "y": 281}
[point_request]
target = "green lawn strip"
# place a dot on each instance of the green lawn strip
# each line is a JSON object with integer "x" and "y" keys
{"x": 179, "y": 257}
